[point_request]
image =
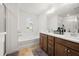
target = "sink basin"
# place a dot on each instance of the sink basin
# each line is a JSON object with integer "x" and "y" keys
{"x": 74, "y": 35}
{"x": 67, "y": 34}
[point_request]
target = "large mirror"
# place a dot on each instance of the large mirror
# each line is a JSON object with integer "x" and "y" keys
{"x": 71, "y": 23}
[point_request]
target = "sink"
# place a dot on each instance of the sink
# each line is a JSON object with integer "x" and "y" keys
{"x": 73, "y": 35}
{"x": 67, "y": 33}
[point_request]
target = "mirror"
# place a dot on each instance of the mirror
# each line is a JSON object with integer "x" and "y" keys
{"x": 71, "y": 23}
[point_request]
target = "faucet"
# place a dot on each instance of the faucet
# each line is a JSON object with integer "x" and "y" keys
{"x": 63, "y": 29}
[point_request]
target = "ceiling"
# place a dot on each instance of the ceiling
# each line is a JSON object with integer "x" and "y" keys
{"x": 37, "y": 8}
{"x": 33, "y": 8}
{"x": 70, "y": 9}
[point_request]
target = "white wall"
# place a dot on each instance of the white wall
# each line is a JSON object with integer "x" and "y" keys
{"x": 52, "y": 22}
{"x": 48, "y": 22}
{"x": 42, "y": 22}
{"x": 11, "y": 28}
{"x": 2, "y": 25}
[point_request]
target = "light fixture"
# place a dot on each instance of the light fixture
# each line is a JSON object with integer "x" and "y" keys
{"x": 52, "y": 10}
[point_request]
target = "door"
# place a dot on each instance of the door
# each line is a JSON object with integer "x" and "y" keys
{"x": 60, "y": 50}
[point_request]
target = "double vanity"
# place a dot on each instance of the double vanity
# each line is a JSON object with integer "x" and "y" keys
{"x": 59, "y": 45}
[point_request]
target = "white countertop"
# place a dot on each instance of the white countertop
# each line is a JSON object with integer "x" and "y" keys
{"x": 65, "y": 37}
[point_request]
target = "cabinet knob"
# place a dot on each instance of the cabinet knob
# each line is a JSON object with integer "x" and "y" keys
{"x": 65, "y": 49}
{"x": 68, "y": 50}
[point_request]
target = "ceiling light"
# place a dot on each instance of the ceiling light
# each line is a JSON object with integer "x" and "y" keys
{"x": 51, "y": 11}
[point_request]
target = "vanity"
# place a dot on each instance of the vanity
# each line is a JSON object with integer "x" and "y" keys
{"x": 59, "y": 45}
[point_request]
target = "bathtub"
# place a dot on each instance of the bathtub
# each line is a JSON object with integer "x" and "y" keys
{"x": 25, "y": 42}
{"x": 26, "y": 38}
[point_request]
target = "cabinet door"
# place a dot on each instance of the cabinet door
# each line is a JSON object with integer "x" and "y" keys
{"x": 60, "y": 50}
{"x": 50, "y": 50}
{"x": 51, "y": 40}
{"x": 43, "y": 42}
{"x": 51, "y": 46}
{"x": 72, "y": 52}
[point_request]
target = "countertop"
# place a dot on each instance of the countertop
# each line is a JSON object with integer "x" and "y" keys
{"x": 65, "y": 36}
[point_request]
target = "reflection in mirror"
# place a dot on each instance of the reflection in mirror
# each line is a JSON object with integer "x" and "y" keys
{"x": 71, "y": 24}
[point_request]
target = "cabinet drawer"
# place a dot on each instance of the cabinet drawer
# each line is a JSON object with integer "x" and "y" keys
{"x": 51, "y": 40}
{"x": 60, "y": 41}
{"x": 67, "y": 43}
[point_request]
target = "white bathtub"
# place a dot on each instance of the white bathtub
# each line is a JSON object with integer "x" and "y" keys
{"x": 22, "y": 38}
{"x": 25, "y": 42}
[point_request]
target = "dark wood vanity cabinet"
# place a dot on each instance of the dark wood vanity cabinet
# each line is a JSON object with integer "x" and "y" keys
{"x": 43, "y": 42}
{"x": 66, "y": 48}
{"x": 51, "y": 45}
{"x": 61, "y": 50}
{"x": 57, "y": 46}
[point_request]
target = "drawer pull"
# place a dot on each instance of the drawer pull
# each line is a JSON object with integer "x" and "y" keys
{"x": 65, "y": 49}
{"x": 68, "y": 50}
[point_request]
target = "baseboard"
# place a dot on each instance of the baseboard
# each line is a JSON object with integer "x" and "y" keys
{"x": 17, "y": 49}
